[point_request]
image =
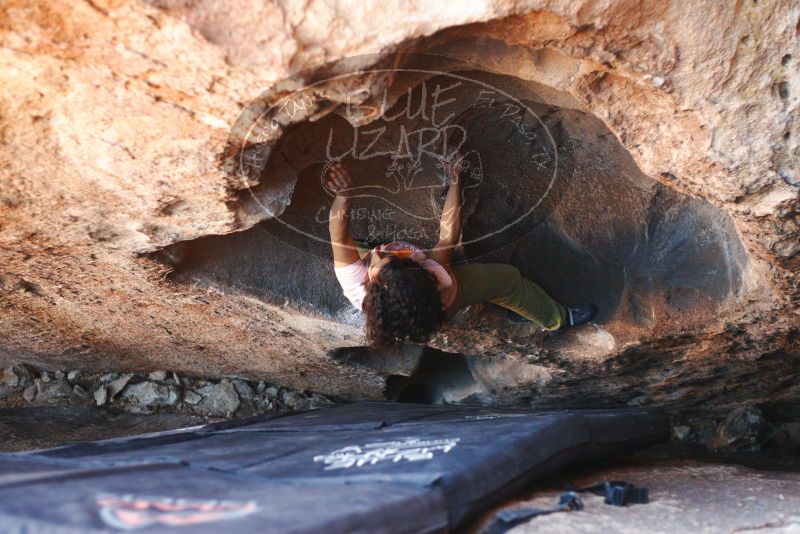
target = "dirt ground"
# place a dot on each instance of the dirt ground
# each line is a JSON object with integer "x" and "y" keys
{"x": 704, "y": 493}
{"x": 40, "y": 427}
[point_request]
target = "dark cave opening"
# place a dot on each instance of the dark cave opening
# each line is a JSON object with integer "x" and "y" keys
{"x": 421, "y": 375}
{"x": 441, "y": 378}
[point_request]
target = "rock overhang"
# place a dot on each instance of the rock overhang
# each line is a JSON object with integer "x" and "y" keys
{"x": 690, "y": 124}
{"x": 549, "y": 189}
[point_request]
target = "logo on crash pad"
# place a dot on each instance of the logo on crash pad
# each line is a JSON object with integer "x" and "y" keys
{"x": 133, "y": 512}
{"x": 410, "y": 450}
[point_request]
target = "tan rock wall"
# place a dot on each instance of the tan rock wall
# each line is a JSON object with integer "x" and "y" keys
{"x": 113, "y": 116}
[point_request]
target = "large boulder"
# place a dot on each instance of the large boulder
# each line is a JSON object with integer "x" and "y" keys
{"x": 125, "y": 244}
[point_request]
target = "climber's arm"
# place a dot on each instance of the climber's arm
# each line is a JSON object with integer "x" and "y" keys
{"x": 344, "y": 248}
{"x": 450, "y": 225}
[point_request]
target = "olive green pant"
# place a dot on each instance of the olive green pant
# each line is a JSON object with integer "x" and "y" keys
{"x": 503, "y": 285}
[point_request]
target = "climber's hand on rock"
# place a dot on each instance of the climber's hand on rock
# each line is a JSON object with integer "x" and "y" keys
{"x": 339, "y": 180}
{"x": 452, "y": 168}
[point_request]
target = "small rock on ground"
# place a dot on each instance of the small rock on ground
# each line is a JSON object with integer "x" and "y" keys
{"x": 8, "y": 377}
{"x": 29, "y": 393}
{"x": 101, "y": 395}
{"x": 52, "y": 392}
{"x": 296, "y": 400}
{"x": 681, "y": 432}
{"x": 25, "y": 376}
{"x": 243, "y": 389}
{"x": 190, "y": 397}
{"x": 147, "y": 397}
{"x": 219, "y": 400}
{"x": 744, "y": 429}
{"x": 115, "y": 386}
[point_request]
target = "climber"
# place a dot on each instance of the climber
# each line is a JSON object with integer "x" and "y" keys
{"x": 407, "y": 293}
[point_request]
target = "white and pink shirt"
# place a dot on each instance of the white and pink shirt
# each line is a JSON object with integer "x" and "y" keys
{"x": 354, "y": 277}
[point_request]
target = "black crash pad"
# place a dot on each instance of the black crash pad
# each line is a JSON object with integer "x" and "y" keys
{"x": 363, "y": 467}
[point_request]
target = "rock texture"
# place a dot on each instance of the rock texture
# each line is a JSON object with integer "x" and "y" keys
{"x": 677, "y": 123}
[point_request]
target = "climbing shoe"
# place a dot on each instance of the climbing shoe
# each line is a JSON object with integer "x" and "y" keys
{"x": 579, "y": 314}
{"x": 575, "y": 315}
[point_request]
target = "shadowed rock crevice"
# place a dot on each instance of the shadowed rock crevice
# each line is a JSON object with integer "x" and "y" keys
{"x": 426, "y": 375}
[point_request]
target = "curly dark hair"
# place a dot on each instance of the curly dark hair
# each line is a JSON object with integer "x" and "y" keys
{"x": 402, "y": 305}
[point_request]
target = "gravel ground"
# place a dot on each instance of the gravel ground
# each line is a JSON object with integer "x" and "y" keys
{"x": 43, "y": 408}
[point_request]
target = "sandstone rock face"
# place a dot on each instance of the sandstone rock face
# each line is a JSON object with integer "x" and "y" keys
{"x": 128, "y": 245}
